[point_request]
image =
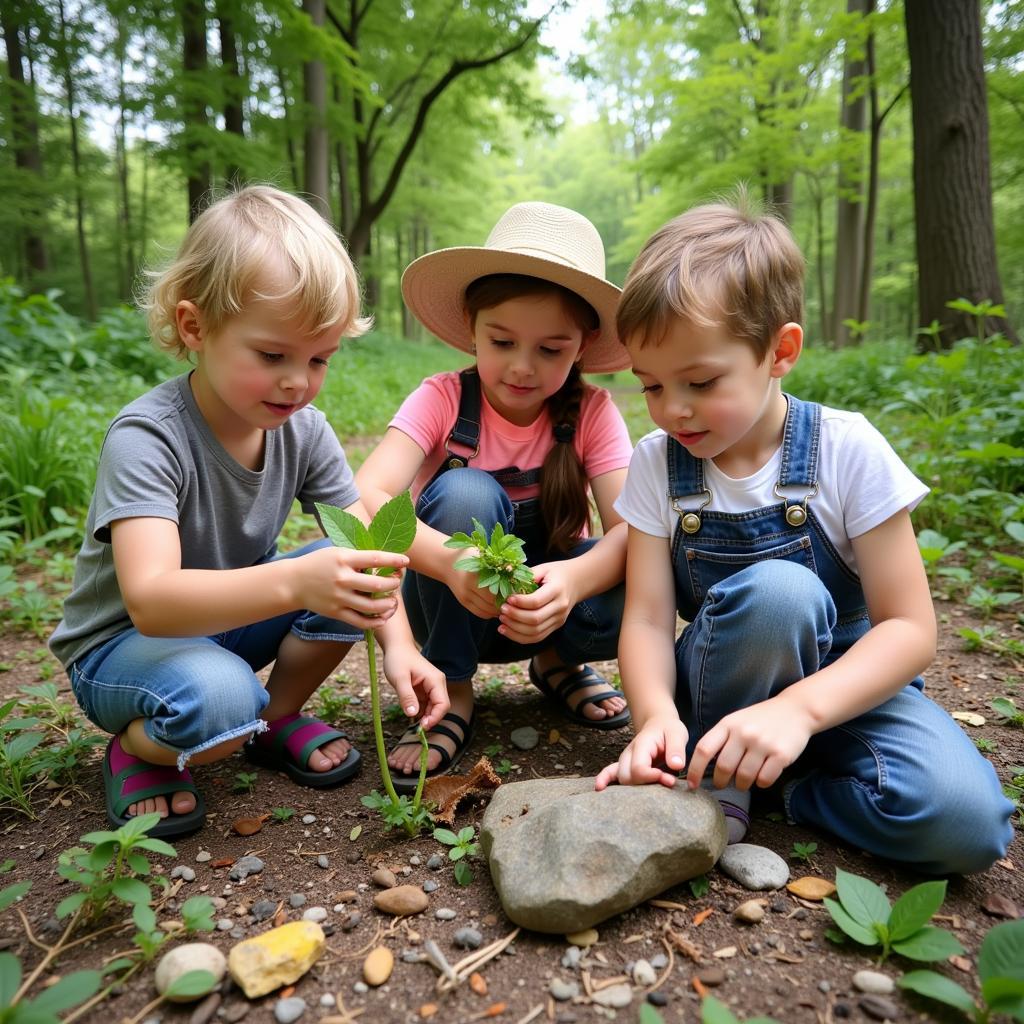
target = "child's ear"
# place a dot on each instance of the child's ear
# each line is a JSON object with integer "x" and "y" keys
{"x": 189, "y": 323}
{"x": 588, "y": 339}
{"x": 785, "y": 349}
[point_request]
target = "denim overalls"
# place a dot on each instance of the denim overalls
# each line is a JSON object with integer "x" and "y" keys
{"x": 452, "y": 638}
{"x": 769, "y": 601}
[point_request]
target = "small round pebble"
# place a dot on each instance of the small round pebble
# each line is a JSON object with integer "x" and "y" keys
{"x": 352, "y": 921}
{"x": 430, "y": 885}
{"x": 445, "y": 914}
{"x": 203, "y": 856}
{"x": 308, "y": 819}
{"x": 297, "y": 899}
{"x": 563, "y": 991}
{"x": 237, "y": 933}
{"x": 322, "y": 862}
{"x": 361, "y": 987}
{"x": 659, "y": 961}
{"x": 657, "y": 998}
{"x": 571, "y": 957}
{"x": 328, "y": 1000}
{"x": 287, "y": 1011}
{"x": 187, "y": 874}
{"x": 415, "y": 861}
{"x": 317, "y": 914}
{"x": 644, "y": 974}
{"x": 468, "y": 938}
{"x": 245, "y": 866}
{"x": 225, "y": 924}
{"x": 262, "y": 909}
{"x": 435, "y": 862}
{"x": 525, "y": 738}
{"x": 874, "y": 982}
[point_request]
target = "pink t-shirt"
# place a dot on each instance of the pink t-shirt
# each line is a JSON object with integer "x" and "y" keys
{"x": 429, "y": 413}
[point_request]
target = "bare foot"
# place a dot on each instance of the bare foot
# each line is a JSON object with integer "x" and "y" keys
{"x": 405, "y": 757}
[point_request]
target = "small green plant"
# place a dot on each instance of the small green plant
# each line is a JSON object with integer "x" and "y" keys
{"x": 986, "y": 746}
{"x": 864, "y": 913}
{"x": 1007, "y": 710}
{"x": 714, "y": 1012}
{"x": 935, "y": 548}
{"x": 1000, "y": 968}
{"x": 803, "y": 851}
{"x": 499, "y": 562}
{"x": 462, "y": 846}
{"x": 504, "y": 766}
{"x": 981, "y": 311}
{"x": 332, "y": 705}
{"x": 245, "y": 782}
{"x": 988, "y": 601}
{"x": 281, "y": 814}
{"x": 71, "y": 990}
{"x": 393, "y": 528}
{"x": 699, "y": 886}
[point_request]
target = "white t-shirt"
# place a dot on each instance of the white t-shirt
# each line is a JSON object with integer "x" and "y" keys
{"x": 862, "y": 482}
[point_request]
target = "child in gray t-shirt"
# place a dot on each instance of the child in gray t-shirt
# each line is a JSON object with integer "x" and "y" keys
{"x": 179, "y": 597}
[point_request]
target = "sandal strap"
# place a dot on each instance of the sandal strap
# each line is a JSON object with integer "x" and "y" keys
{"x": 297, "y": 736}
{"x": 579, "y": 680}
{"x": 148, "y": 780}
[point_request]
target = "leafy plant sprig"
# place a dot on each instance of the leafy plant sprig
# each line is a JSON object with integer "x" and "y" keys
{"x": 500, "y": 562}
{"x": 245, "y": 782}
{"x": 865, "y": 914}
{"x": 462, "y": 846}
{"x": 803, "y": 851}
{"x": 1001, "y": 969}
{"x": 393, "y": 529}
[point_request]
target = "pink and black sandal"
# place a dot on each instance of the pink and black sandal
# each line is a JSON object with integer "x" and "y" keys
{"x": 287, "y": 744}
{"x": 128, "y": 780}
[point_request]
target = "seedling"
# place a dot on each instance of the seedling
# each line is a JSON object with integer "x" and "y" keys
{"x": 500, "y": 562}
{"x": 1006, "y": 708}
{"x": 803, "y": 851}
{"x": 699, "y": 886}
{"x": 504, "y": 766}
{"x": 393, "y": 528}
{"x": 245, "y": 782}
{"x": 1000, "y": 968}
{"x": 44, "y": 1009}
{"x": 985, "y": 746}
{"x": 714, "y": 1012}
{"x": 865, "y": 915}
{"x": 462, "y": 846}
{"x": 281, "y": 814}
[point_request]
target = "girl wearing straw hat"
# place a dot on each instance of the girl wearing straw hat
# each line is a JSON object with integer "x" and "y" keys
{"x": 517, "y": 439}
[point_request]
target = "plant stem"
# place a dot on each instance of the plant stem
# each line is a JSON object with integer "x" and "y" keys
{"x": 424, "y": 754}
{"x": 52, "y": 955}
{"x": 378, "y": 727}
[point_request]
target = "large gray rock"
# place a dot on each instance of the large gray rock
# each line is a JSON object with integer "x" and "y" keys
{"x": 564, "y": 857}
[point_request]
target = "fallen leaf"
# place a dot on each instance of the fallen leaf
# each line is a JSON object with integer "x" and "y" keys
{"x": 725, "y": 953}
{"x": 496, "y": 1009}
{"x": 811, "y": 888}
{"x": 969, "y": 717}
{"x": 962, "y": 963}
{"x": 1006, "y": 863}
{"x": 699, "y": 987}
{"x": 249, "y": 826}
{"x": 224, "y": 862}
{"x": 354, "y": 835}
{"x": 281, "y": 917}
{"x": 999, "y": 905}
{"x": 447, "y": 791}
{"x": 702, "y": 916}
{"x": 428, "y": 1010}
{"x": 553, "y": 736}
{"x": 478, "y": 984}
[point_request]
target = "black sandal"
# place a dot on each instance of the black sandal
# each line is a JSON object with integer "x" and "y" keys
{"x": 573, "y": 682}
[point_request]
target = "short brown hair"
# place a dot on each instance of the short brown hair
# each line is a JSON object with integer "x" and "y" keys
{"x": 719, "y": 264}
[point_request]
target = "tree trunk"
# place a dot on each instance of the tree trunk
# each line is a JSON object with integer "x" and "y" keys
{"x": 195, "y": 61}
{"x": 956, "y": 251}
{"x": 314, "y": 81}
{"x": 849, "y": 253}
{"x": 289, "y": 142}
{"x": 341, "y": 159}
{"x": 780, "y": 195}
{"x": 234, "y": 87}
{"x": 125, "y": 254}
{"x": 25, "y": 137}
{"x": 76, "y": 166}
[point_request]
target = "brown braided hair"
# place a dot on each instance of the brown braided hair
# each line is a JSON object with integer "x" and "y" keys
{"x": 564, "y": 501}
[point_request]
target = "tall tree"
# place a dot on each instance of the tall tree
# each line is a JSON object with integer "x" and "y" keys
{"x": 232, "y": 84}
{"x": 314, "y": 79}
{"x": 195, "y": 59}
{"x": 956, "y": 250}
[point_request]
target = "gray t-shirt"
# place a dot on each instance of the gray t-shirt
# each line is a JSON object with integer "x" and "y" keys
{"x": 160, "y": 458}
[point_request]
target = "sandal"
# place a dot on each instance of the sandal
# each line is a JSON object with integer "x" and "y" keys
{"x": 288, "y": 743}
{"x": 128, "y": 780}
{"x": 572, "y": 683}
{"x": 407, "y": 783}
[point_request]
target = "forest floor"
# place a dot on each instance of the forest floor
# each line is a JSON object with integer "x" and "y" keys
{"x": 783, "y": 967}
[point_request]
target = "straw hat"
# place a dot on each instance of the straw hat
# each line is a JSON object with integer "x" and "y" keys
{"x": 535, "y": 239}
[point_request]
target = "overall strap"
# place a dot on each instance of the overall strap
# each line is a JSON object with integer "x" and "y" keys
{"x": 798, "y": 466}
{"x": 686, "y": 481}
{"x": 467, "y": 424}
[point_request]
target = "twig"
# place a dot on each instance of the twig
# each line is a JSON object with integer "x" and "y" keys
{"x": 439, "y": 960}
{"x": 668, "y": 970}
{"x": 466, "y": 966}
{"x": 100, "y": 996}
{"x": 141, "y": 1015}
{"x": 52, "y": 953}
{"x": 533, "y": 1014}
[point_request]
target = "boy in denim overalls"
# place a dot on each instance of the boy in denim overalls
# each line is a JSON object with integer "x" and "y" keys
{"x": 780, "y": 530}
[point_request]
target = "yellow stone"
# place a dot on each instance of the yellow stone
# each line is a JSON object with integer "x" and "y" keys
{"x": 378, "y": 965}
{"x": 275, "y": 958}
{"x": 583, "y": 939}
{"x": 811, "y": 888}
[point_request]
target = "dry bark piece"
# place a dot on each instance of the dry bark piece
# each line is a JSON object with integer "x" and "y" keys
{"x": 448, "y": 791}
{"x": 811, "y": 888}
{"x": 249, "y": 826}
{"x": 999, "y": 905}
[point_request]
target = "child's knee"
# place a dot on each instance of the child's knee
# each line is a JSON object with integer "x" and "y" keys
{"x": 451, "y": 502}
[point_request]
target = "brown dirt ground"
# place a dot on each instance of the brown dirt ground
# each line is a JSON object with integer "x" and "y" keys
{"x": 783, "y": 966}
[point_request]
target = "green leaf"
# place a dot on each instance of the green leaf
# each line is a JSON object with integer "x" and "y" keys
{"x": 998, "y": 990}
{"x": 190, "y": 984}
{"x": 156, "y": 846}
{"x": 714, "y": 1012}
{"x": 915, "y": 908}
{"x": 443, "y": 835}
{"x": 70, "y": 904}
{"x": 343, "y": 528}
{"x": 649, "y": 1015}
{"x": 463, "y": 873}
{"x": 144, "y": 917}
{"x": 938, "y": 986}
{"x": 1002, "y": 952}
{"x": 13, "y": 892}
{"x": 10, "y": 977}
{"x": 131, "y": 890}
{"x": 856, "y": 931}
{"x": 456, "y": 853}
{"x": 68, "y": 992}
{"x": 394, "y": 526}
{"x": 929, "y": 943}
{"x": 459, "y": 540}
{"x": 862, "y": 899}
{"x": 139, "y": 864}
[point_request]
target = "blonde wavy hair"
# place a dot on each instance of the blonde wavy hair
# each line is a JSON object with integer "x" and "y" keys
{"x": 227, "y": 248}
{"x": 722, "y": 264}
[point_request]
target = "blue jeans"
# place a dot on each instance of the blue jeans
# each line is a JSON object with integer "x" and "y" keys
{"x": 455, "y": 640}
{"x": 193, "y": 692}
{"x": 901, "y": 781}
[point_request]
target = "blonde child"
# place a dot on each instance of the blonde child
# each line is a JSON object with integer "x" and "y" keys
{"x": 520, "y": 440}
{"x": 780, "y": 530}
{"x": 178, "y": 595}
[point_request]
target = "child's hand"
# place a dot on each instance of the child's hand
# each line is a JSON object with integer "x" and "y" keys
{"x": 661, "y": 741}
{"x": 753, "y": 744}
{"x": 477, "y": 600}
{"x": 421, "y": 688}
{"x": 331, "y": 583}
{"x": 529, "y": 618}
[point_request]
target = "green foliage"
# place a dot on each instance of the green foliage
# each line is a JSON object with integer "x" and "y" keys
{"x": 463, "y": 846}
{"x": 245, "y": 782}
{"x": 279, "y": 815}
{"x": 499, "y": 562}
{"x": 71, "y": 990}
{"x": 699, "y": 886}
{"x": 864, "y": 913}
{"x": 803, "y": 851}
{"x": 714, "y": 1012}
{"x": 1006, "y": 708}
{"x": 1000, "y": 968}
{"x": 393, "y": 528}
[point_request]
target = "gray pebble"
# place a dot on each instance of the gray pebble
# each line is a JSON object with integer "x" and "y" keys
{"x": 187, "y": 874}
{"x": 286, "y": 1011}
{"x": 361, "y": 987}
{"x": 444, "y": 914}
{"x": 525, "y": 738}
{"x": 237, "y": 933}
{"x": 245, "y": 866}
{"x": 659, "y": 961}
{"x": 203, "y": 1013}
{"x": 315, "y": 914}
{"x": 322, "y": 861}
{"x": 203, "y": 856}
{"x": 874, "y": 983}
{"x": 328, "y": 1000}
{"x": 297, "y": 899}
{"x": 571, "y": 957}
{"x": 878, "y": 1008}
{"x": 657, "y": 998}
{"x": 413, "y": 956}
{"x": 225, "y": 924}
{"x": 435, "y": 862}
{"x": 262, "y": 909}
{"x": 644, "y": 974}
{"x": 430, "y": 885}
{"x": 468, "y": 938}
{"x": 233, "y": 1014}
{"x": 155, "y": 1019}
{"x": 352, "y": 921}
{"x": 754, "y": 867}
{"x": 563, "y": 991}
{"x": 308, "y": 819}
{"x": 415, "y": 861}
{"x": 824, "y": 986}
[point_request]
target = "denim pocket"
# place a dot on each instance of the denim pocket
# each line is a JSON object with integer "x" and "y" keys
{"x": 708, "y": 567}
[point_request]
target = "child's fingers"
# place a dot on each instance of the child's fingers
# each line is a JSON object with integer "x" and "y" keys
{"x": 770, "y": 771}
{"x": 376, "y": 559}
{"x": 406, "y": 694}
{"x": 709, "y": 745}
{"x": 606, "y": 776}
